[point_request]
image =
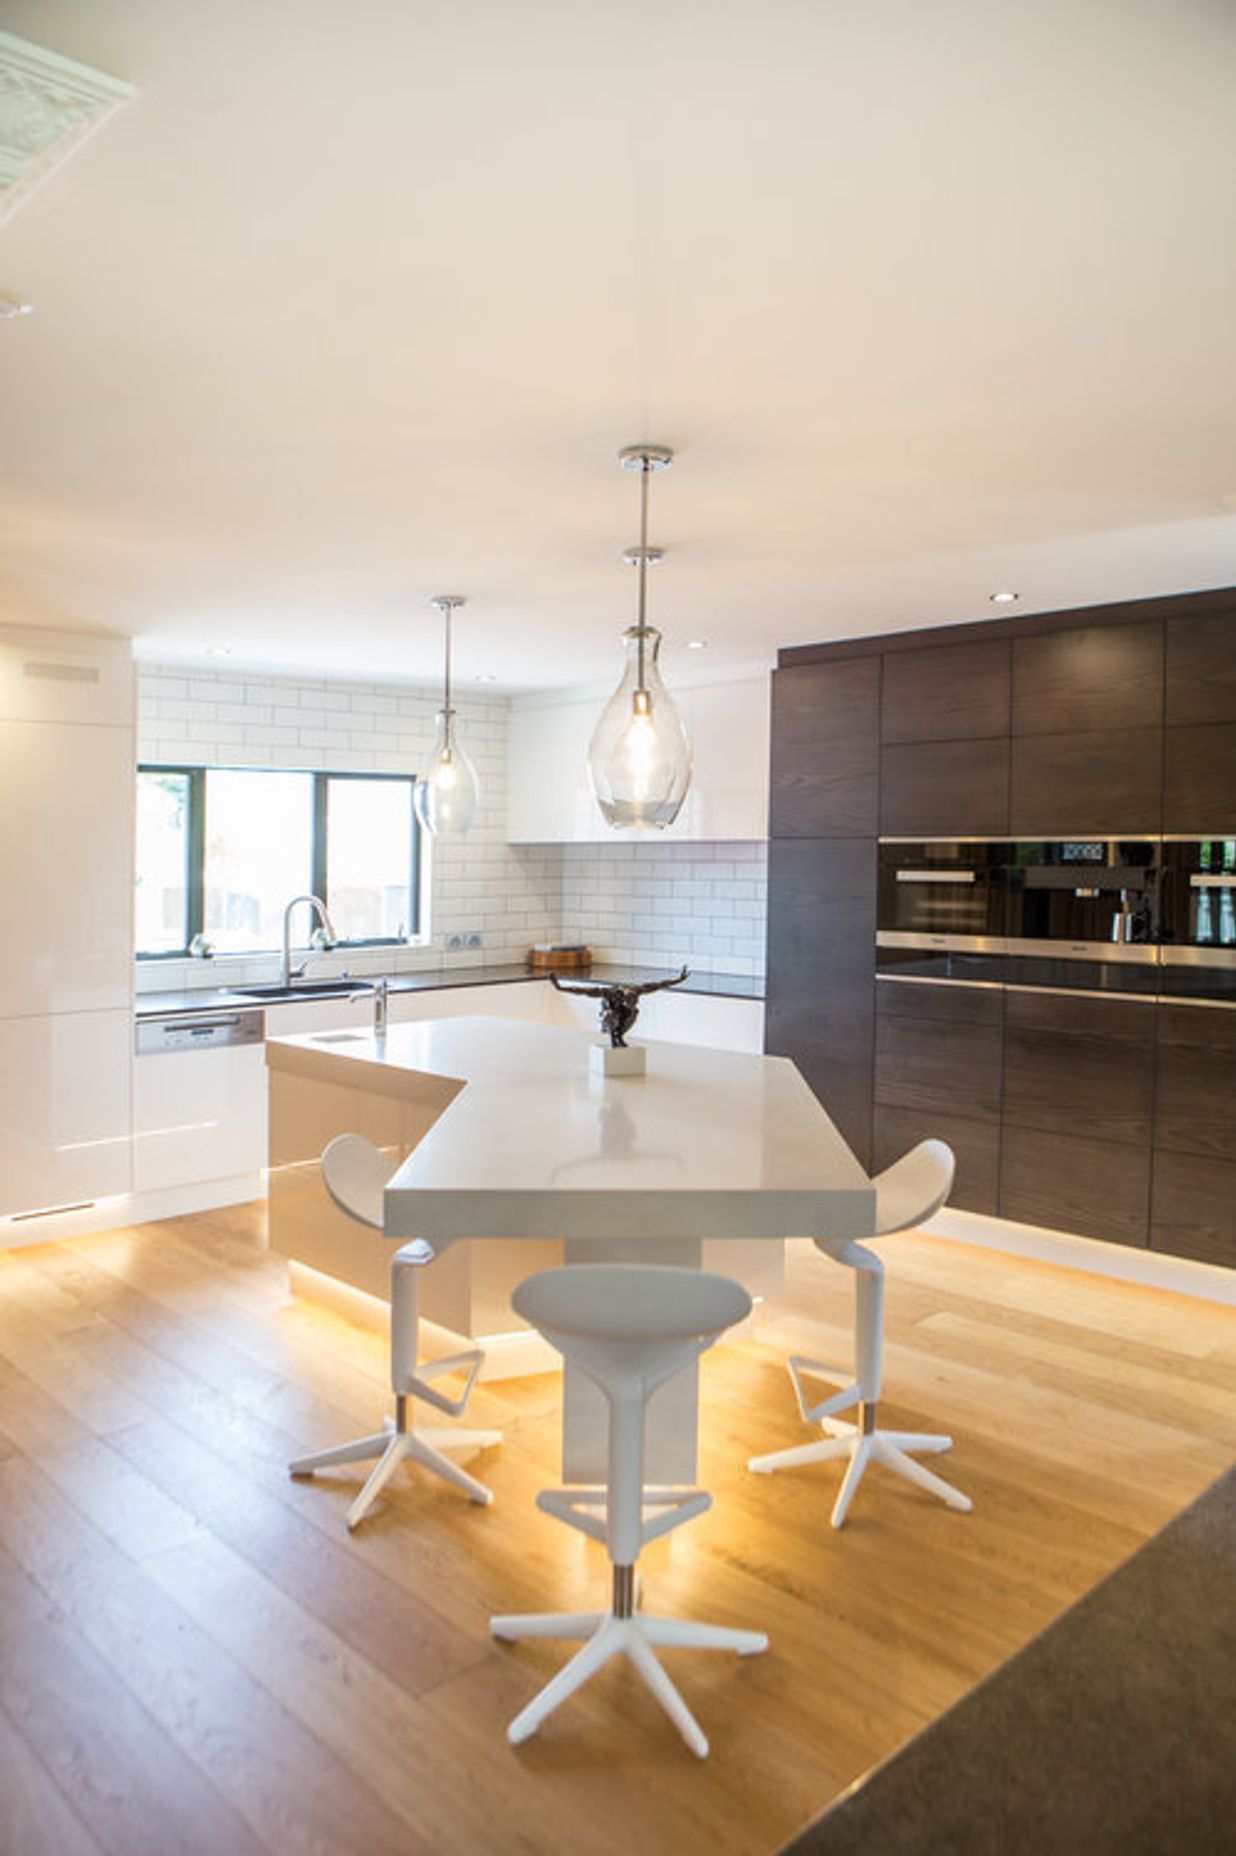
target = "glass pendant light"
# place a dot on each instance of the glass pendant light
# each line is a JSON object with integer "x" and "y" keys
{"x": 639, "y": 757}
{"x": 445, "y": 797}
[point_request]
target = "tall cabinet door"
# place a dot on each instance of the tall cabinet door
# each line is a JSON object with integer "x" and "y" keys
{"x": 66, "y": 935}
{"x": 66, "y": 849}
{"x": 65, "y": 1110}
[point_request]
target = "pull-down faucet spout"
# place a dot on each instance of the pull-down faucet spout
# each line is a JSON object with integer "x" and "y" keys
{"x": 319, "y": 907}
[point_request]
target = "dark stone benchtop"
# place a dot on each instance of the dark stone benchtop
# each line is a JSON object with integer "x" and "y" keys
{"x": 1113, "y": 1733}
{"x": 217, "y": 998}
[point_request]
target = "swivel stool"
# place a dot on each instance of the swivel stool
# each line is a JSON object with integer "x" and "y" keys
{"x": 355, "y": 1173}
{"x": 907, "y": 1194}
{"x": 629, "y": 1328}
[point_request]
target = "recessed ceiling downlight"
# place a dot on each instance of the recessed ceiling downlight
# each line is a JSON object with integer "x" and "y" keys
{"x": 1005, "y": 599}
{"x": 697, "y": 644}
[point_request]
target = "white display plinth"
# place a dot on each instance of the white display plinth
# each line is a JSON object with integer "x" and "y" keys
{"x": 606, "y": 1059}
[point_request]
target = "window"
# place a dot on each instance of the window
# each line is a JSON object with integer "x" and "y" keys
{"x": 222, "y": 850}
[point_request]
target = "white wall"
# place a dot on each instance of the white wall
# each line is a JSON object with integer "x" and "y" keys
{"x": 510, "y": 894}
{"x": 650, "y": 903}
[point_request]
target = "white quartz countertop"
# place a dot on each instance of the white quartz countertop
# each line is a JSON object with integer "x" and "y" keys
{"x": 707, "y": 1143}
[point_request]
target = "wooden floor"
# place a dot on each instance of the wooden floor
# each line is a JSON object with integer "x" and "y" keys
{"x": 196, "y": 1658}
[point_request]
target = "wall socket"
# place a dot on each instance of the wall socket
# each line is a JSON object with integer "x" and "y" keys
{"x": 460, "y": 943}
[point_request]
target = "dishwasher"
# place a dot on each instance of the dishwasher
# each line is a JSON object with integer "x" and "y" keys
{"x": 199, "y": 1095}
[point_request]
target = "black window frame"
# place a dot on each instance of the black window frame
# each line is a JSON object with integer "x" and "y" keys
{"x": 195, "y": 851}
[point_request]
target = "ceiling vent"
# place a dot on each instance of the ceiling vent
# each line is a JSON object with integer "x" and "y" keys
{"x": 48, "y": 107}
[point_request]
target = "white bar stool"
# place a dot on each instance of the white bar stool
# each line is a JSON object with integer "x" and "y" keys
{"x": 907, "y": 1194}
{"x": 355, "y": 1173}
{"x": 630, "y": 1328}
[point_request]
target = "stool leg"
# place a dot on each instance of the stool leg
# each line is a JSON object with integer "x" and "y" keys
{"x": 639, "y": 1653}
{"x": 682, "y": 1634}
{"x": 605, "y": 1643}
{"x": 356, "y": 1452}
{"x": 418, "y": 1451}
{"x": 546, "y": 1624}
{"x": 903, "y": 1465}
{"x": 379, "y": 1476}
{"x": 860, "y": 1448}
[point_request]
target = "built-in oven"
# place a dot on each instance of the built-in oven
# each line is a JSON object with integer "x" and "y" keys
{"x": 1083, "y": 899}
{"x": 1199, "y": 902}
{"x": 943, "y": 895}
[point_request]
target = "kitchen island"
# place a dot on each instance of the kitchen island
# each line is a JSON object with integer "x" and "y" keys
{"x": 712, "y": 1158}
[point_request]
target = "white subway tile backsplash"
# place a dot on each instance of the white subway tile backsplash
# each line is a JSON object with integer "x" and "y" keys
{"x": 648, "y": 904}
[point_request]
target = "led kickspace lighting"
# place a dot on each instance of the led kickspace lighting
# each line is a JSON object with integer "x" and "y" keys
{"x": 639, "y": 758}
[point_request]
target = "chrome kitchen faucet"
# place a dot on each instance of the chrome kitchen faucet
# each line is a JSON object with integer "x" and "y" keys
{"x": 316, "y": 903}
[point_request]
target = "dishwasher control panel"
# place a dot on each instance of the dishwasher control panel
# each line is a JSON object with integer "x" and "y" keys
{"x": 199, "y": 1031}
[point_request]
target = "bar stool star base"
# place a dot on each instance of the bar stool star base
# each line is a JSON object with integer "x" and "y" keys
{"x": 622, "y": 1631}
{"x": 630, "y": 1328}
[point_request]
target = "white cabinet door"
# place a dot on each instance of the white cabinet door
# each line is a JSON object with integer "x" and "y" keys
{"x": 66, "y": 849}
{"x": 699, "y": 1018}
{"x": 198, "y": 1115}
{"x": 65, "y": 677}
{"x": 549, "y": 797}
{"x": 65, "y": 1084}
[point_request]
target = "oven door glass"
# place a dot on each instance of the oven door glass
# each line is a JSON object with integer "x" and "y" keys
{"x": 1093, "y": 898}
{"x": 942, "y": 894}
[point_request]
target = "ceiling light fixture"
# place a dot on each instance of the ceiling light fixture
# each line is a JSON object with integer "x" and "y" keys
{"x": 697, "y": 644}
{"x": 445, "y": 797}
{"x": 12, "y": 306}
{"x": 639, "y": 757}
{"x": 1004, "y": 599}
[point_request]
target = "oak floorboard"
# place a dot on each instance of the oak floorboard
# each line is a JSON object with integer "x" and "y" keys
{"x": 320, "y": 1692}
{"x": 35, "y": 1815}
{"x": 236, "y": 1740}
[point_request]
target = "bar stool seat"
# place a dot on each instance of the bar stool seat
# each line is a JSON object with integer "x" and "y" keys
{"x": 629, "y": 1328}
{"x": 355, "y": 1173}
{"x": 907, "y": 1194}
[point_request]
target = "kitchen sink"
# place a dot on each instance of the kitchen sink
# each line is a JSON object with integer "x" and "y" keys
{"x": 302, "y": 989}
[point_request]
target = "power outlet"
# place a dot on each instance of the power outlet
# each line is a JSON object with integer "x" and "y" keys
{"x": 454, "y": 943}
{"x": 475, "y": 939}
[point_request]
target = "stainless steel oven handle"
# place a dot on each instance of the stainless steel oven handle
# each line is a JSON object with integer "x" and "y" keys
{"x": 937, "y": 876}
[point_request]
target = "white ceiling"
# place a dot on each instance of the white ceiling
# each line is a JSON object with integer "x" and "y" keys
{"x": 355, "y": 304}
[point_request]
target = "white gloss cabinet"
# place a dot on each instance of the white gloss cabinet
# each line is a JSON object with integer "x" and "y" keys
{"x": 198, "y": 1115}
{"x": 64, "y": 1108}
{"x": 67, "y": 800}
{"x": 549, "y": 798}
{"x": 66, "y": 849}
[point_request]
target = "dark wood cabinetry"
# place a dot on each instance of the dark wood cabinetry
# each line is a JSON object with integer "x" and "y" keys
{"x": 934, "y": 789}
{"x": 825, "y": 750}
{"x": 1078, "y": 678}
{"x": 1079, "y": 1066}
{"x": 937, "y": 1073}
{"x": 1191, "y": 1207}
{"x": 954, "y": 692}
{"x": 1111, "y": 1118}
{"x": 1070, "y": 1183}
{"x": 1077, "y": 1108}
{"x": 1201, "y": 669}
{"x": 1193, "y": 1202}
{"x": 1105, "y": 781}
{"x": 821, "y": 960}
{"x": 1199, "y": 780}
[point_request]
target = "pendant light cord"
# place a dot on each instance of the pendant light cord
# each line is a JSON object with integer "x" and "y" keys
{"x": 644, "y": 474}
{"x": 446, "y": 682}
